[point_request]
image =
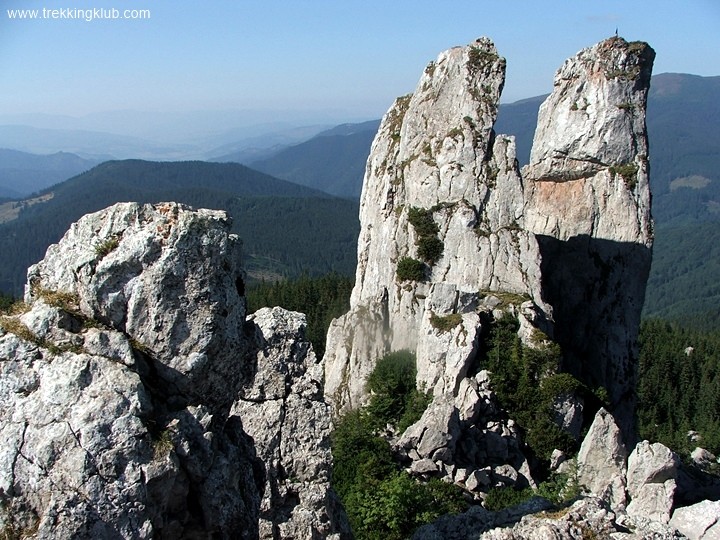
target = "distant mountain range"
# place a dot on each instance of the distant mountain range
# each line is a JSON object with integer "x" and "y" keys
{"x": 22, "y": 174}
{"x": 163, "y": 136}
{"x": 683, "y": 123}
{"x": 332, "y": 161}
{"x": 286, "y": 228}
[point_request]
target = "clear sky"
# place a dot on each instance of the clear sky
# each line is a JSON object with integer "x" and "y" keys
{"x": 350, "y": 55}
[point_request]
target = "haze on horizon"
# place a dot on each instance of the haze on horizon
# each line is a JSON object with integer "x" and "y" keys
{"x": 313, "y": 60}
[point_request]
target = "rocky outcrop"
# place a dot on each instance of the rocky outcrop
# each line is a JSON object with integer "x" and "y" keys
{"x": 454, "y": 235}
{"x": 586, "y": 518}
{"x": 602, "y": 461}
{"x": 651, "y": 474}
{"x": 140, "y": 401}
{"x": 468, "y": 441}
{"x": 436, "y": 151}
{"x": 700, "y": 521}
{"x": 588, "y": 203}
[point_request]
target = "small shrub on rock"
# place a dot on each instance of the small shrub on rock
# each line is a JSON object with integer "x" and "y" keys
{"x": 430, "y": 249}
{"x": 409, "y": 269}
{"x": 445, "y": 323}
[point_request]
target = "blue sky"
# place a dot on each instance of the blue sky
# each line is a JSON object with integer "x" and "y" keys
{"x": 349, "y": 56}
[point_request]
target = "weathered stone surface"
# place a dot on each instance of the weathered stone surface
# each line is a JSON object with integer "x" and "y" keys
{"x": 651, "y": 474}
{"x": 585, "y": 517}
{"x": 564, "y": 247}
{"x": 703, "y": 458}
{"x": 588, "y": 202}
{"x": 568, "y": 414}
{"x": 434, "y": 150}
{"x": 557, "y": 458}
{"x": 700, "y": 521}
{"x": 476, "y": 521}
{"x": 140, "y": 401}
{"x": 602, "y": 461}
{"x": 588, "y": 517}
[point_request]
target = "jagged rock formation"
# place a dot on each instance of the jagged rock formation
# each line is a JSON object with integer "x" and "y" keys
{"x": 453, "y": 235}
{"x": 602, "y": 460}
{"x": 586, "y": 518}
{"x": 141, "y": 402}
{"x": 588, "y": 196}
{"x": 435, "y": 150}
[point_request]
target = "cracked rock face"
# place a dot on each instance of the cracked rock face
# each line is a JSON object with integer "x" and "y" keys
{"x": 141, "y": 402}
{"x": 435, "y": 150}
{"x": 563, "y": 245}
{"x": 588, "y": 203}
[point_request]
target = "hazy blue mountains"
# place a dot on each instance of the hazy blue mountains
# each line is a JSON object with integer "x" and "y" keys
{"x": 333, "y": 161}
{"x": 287, "y": 229}
{"x": 22, "y": 173}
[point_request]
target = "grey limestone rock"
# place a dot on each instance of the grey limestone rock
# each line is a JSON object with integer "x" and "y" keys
{"x": 702, "y": 458}
{"x": 563, "y": 246}
{"x": 700, "y": 521}
{"x": 652, "y": 470}
{"x": 141, "y": 402}
{"x": 588, "y": 203}
{"x": 434, "y": 150}
{"x": 602, "y": 461}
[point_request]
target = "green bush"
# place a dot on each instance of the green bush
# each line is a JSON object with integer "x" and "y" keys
{"x": 409, "y": 269}
{"x": 430, "y": 249}
{"x": 422, "y": 221}
{"x": 359, "y": 456}
{"x": 445, "y": 323}
{"x": 415, "y": 405}
{"x": 107, "y": 246}
{"x": 395, "y": 507}
{"x": 391, "y": 383}
{"x": 499, "y": 498}
{"x": 382, "y": 502}
{"x": 527, "y": 382}
{"x": 628, "y": 171}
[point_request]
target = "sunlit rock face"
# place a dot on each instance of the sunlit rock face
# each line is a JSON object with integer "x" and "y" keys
{"x": 565, "y": 244}
{"x": 140, "y": 401}
{"x": 588, "y": 203}
{"x": 435, "y": 150}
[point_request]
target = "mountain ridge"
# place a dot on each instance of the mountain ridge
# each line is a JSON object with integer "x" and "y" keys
{"x": 293, "y": 211}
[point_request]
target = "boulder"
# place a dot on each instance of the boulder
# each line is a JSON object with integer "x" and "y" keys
{"x": 652, "y": 471}
{"x": 568, "y": 414}
{"x": 602, "y": 461}
{"x": 700, "y": 521}
{"x": 702, "y": 458}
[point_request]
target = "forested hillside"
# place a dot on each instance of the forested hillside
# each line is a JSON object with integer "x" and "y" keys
{"x": 679, "y": 386}
{"x": 332, "y": 161}
{"x": 286, "y": 229}
{"x": 684, "y": 283}
{"x": 22, "y": 174}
